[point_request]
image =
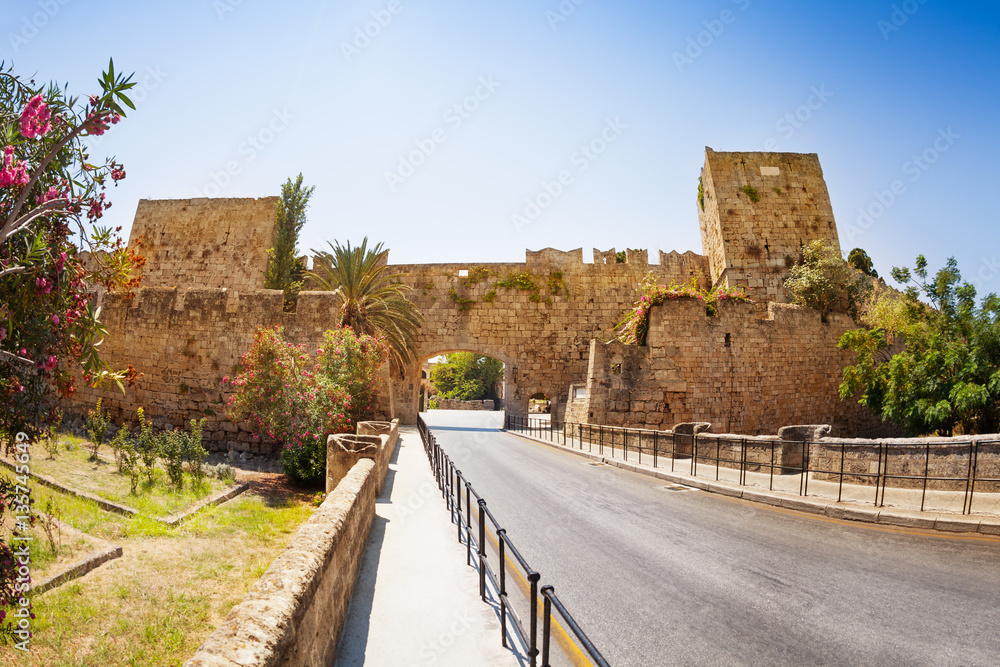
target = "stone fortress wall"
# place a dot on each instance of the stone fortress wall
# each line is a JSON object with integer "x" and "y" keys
{"x": 546, "y": 318}
{"x": 742, "y": 373}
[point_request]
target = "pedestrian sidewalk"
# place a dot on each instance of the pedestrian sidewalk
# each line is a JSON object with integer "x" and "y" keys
{"x": 901, "y": 506}
{"x": 416, "y": 602}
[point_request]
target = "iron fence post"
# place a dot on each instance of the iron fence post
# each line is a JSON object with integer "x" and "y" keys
{"x": 501, "y": 536}
{"x": 694, "y": 455}
{"x": 546, "y": 624}
{"x": 482, "y": 549}
{"x": 840, "y": 490}
{"x": 970, "y": 474}
{"x": 533, "y": 651}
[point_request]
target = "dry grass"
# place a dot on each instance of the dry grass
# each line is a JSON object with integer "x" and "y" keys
{"x": 171, "y": 588}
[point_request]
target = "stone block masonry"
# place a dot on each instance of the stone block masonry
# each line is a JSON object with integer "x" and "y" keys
{"x": 205, "y": 242}
{"x": 185, "y": 342}
{"x": 537, "y": 317}
{"x": 759, "y": 210}
{"x": 544, "y": 318}
{"x": 741, "y": 373}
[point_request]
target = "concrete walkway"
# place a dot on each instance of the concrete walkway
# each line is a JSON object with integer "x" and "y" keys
{"x": 416, "y": 602}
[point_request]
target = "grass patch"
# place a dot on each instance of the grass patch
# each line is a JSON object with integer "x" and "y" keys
{"x": 74, "y": 468}
{"x": 171, "y": 588}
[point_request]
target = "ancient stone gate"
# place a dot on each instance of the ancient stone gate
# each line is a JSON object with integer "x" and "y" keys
{"x": 202, "y": 303}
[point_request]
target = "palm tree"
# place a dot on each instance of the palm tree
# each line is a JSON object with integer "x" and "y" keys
{"x": 372, "y": 301}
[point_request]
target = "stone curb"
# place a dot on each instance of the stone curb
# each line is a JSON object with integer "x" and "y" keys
{"x": 172, "y": 521}
{"x": 216, "y": 498}
{"x": 105, "y": 505}
{"x": 77, "y": 570}
{"x": 81, "y": 567}
{"x": 891, "y": 517}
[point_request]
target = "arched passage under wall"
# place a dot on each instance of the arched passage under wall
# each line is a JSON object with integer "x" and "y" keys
{"x": 407, "y": 390}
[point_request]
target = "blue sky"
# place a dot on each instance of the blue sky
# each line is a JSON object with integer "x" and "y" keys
{"x": 431, "y": 125}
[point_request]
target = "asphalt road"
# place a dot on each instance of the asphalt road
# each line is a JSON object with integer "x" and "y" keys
{"x": 665, "y": 577}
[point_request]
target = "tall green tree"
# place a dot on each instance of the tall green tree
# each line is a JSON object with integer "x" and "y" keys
{"x": 372, "y": 300}
{"x": 948, "y": 375}
{"x": 860, "y": 260}
{"x": 468, "y": 376}
{"x": 284, "y": 271}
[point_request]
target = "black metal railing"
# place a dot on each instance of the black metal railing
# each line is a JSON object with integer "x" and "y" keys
{"x": 874, "y": 463}
{"x": 473, "y": 528}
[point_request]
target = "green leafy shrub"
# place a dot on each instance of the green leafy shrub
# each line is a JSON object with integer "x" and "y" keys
{"x": 751, "y": 192}
{"x": 132, "y": 466}
{"x": 463, "y": 303}
{"x": 194, "y": 452}
{"x": 285, "y": 394}
{"x": 172, "y": 446}
{"x": 118, "y": 446}
{"x": 225, "y": 472}
{"x": 97, "y": 428}
{"x": 147, "y": 446}
{"x": 824, "y": 281}
{"x": 50, "y": 439}
{"x": 477, "y": 274}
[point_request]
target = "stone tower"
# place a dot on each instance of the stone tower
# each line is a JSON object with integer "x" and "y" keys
{"x": 205, "y": 242}
{"x": 757, "y": 212}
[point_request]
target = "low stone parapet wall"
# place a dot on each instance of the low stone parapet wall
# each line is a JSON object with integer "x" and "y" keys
{"x": 948, "y": 464}
{"x": 455, "y": 404}
{"x": 375, "y": 440}
{"x": 293, "y": 615}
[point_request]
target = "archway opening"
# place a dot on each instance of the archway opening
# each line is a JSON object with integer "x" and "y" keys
{"x": 462, "y": 381}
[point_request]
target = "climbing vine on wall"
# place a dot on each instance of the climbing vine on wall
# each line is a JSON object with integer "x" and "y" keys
{"x": 634, "y": 325}
{"x": 555, "y": 284}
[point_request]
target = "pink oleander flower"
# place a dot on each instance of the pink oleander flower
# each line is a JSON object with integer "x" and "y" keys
{"x": 55, "y": 320}
{"x": 49, "y": 195}
{"x": 36, "y": 118}
{"x": 43, "y": 284}
{"x": 12, "y": 173}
